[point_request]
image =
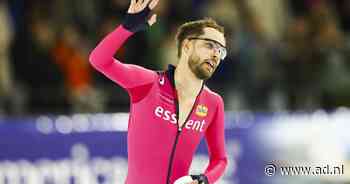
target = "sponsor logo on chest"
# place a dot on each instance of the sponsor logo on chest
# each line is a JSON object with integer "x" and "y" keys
{"x": 170, "y": 117}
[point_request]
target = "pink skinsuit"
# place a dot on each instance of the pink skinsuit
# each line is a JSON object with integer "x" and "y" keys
{"x": 159, "y": 152}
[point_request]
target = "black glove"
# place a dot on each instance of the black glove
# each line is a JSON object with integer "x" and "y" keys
{"x": 137, "y": 21}
{"x": 202, "y": 179}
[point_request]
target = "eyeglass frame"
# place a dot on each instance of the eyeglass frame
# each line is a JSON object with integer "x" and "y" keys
{"x": 222, "y": 48}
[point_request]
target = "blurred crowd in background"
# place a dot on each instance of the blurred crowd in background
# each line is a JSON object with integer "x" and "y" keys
{"x": 283, "y": 54}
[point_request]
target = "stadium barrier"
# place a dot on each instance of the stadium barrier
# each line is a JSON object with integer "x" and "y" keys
{"x": 91, "y": 148}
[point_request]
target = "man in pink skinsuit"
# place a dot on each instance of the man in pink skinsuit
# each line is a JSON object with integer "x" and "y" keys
{"x": 171, "y": 110}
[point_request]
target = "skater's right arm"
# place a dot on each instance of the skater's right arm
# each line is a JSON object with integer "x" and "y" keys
{"x": 101, "y": 58}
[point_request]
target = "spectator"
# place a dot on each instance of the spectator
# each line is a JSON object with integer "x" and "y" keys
{"x": 70, "y": 57}
{"x": 6, "y": 81}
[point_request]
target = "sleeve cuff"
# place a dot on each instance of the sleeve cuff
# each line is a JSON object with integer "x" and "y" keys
{"x": 202, "y": 179}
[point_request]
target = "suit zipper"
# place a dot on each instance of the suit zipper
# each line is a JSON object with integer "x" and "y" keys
{"x": 179, "y": 130}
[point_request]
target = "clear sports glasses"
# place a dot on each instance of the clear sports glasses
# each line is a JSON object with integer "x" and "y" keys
{"x": 213, "y": 44}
